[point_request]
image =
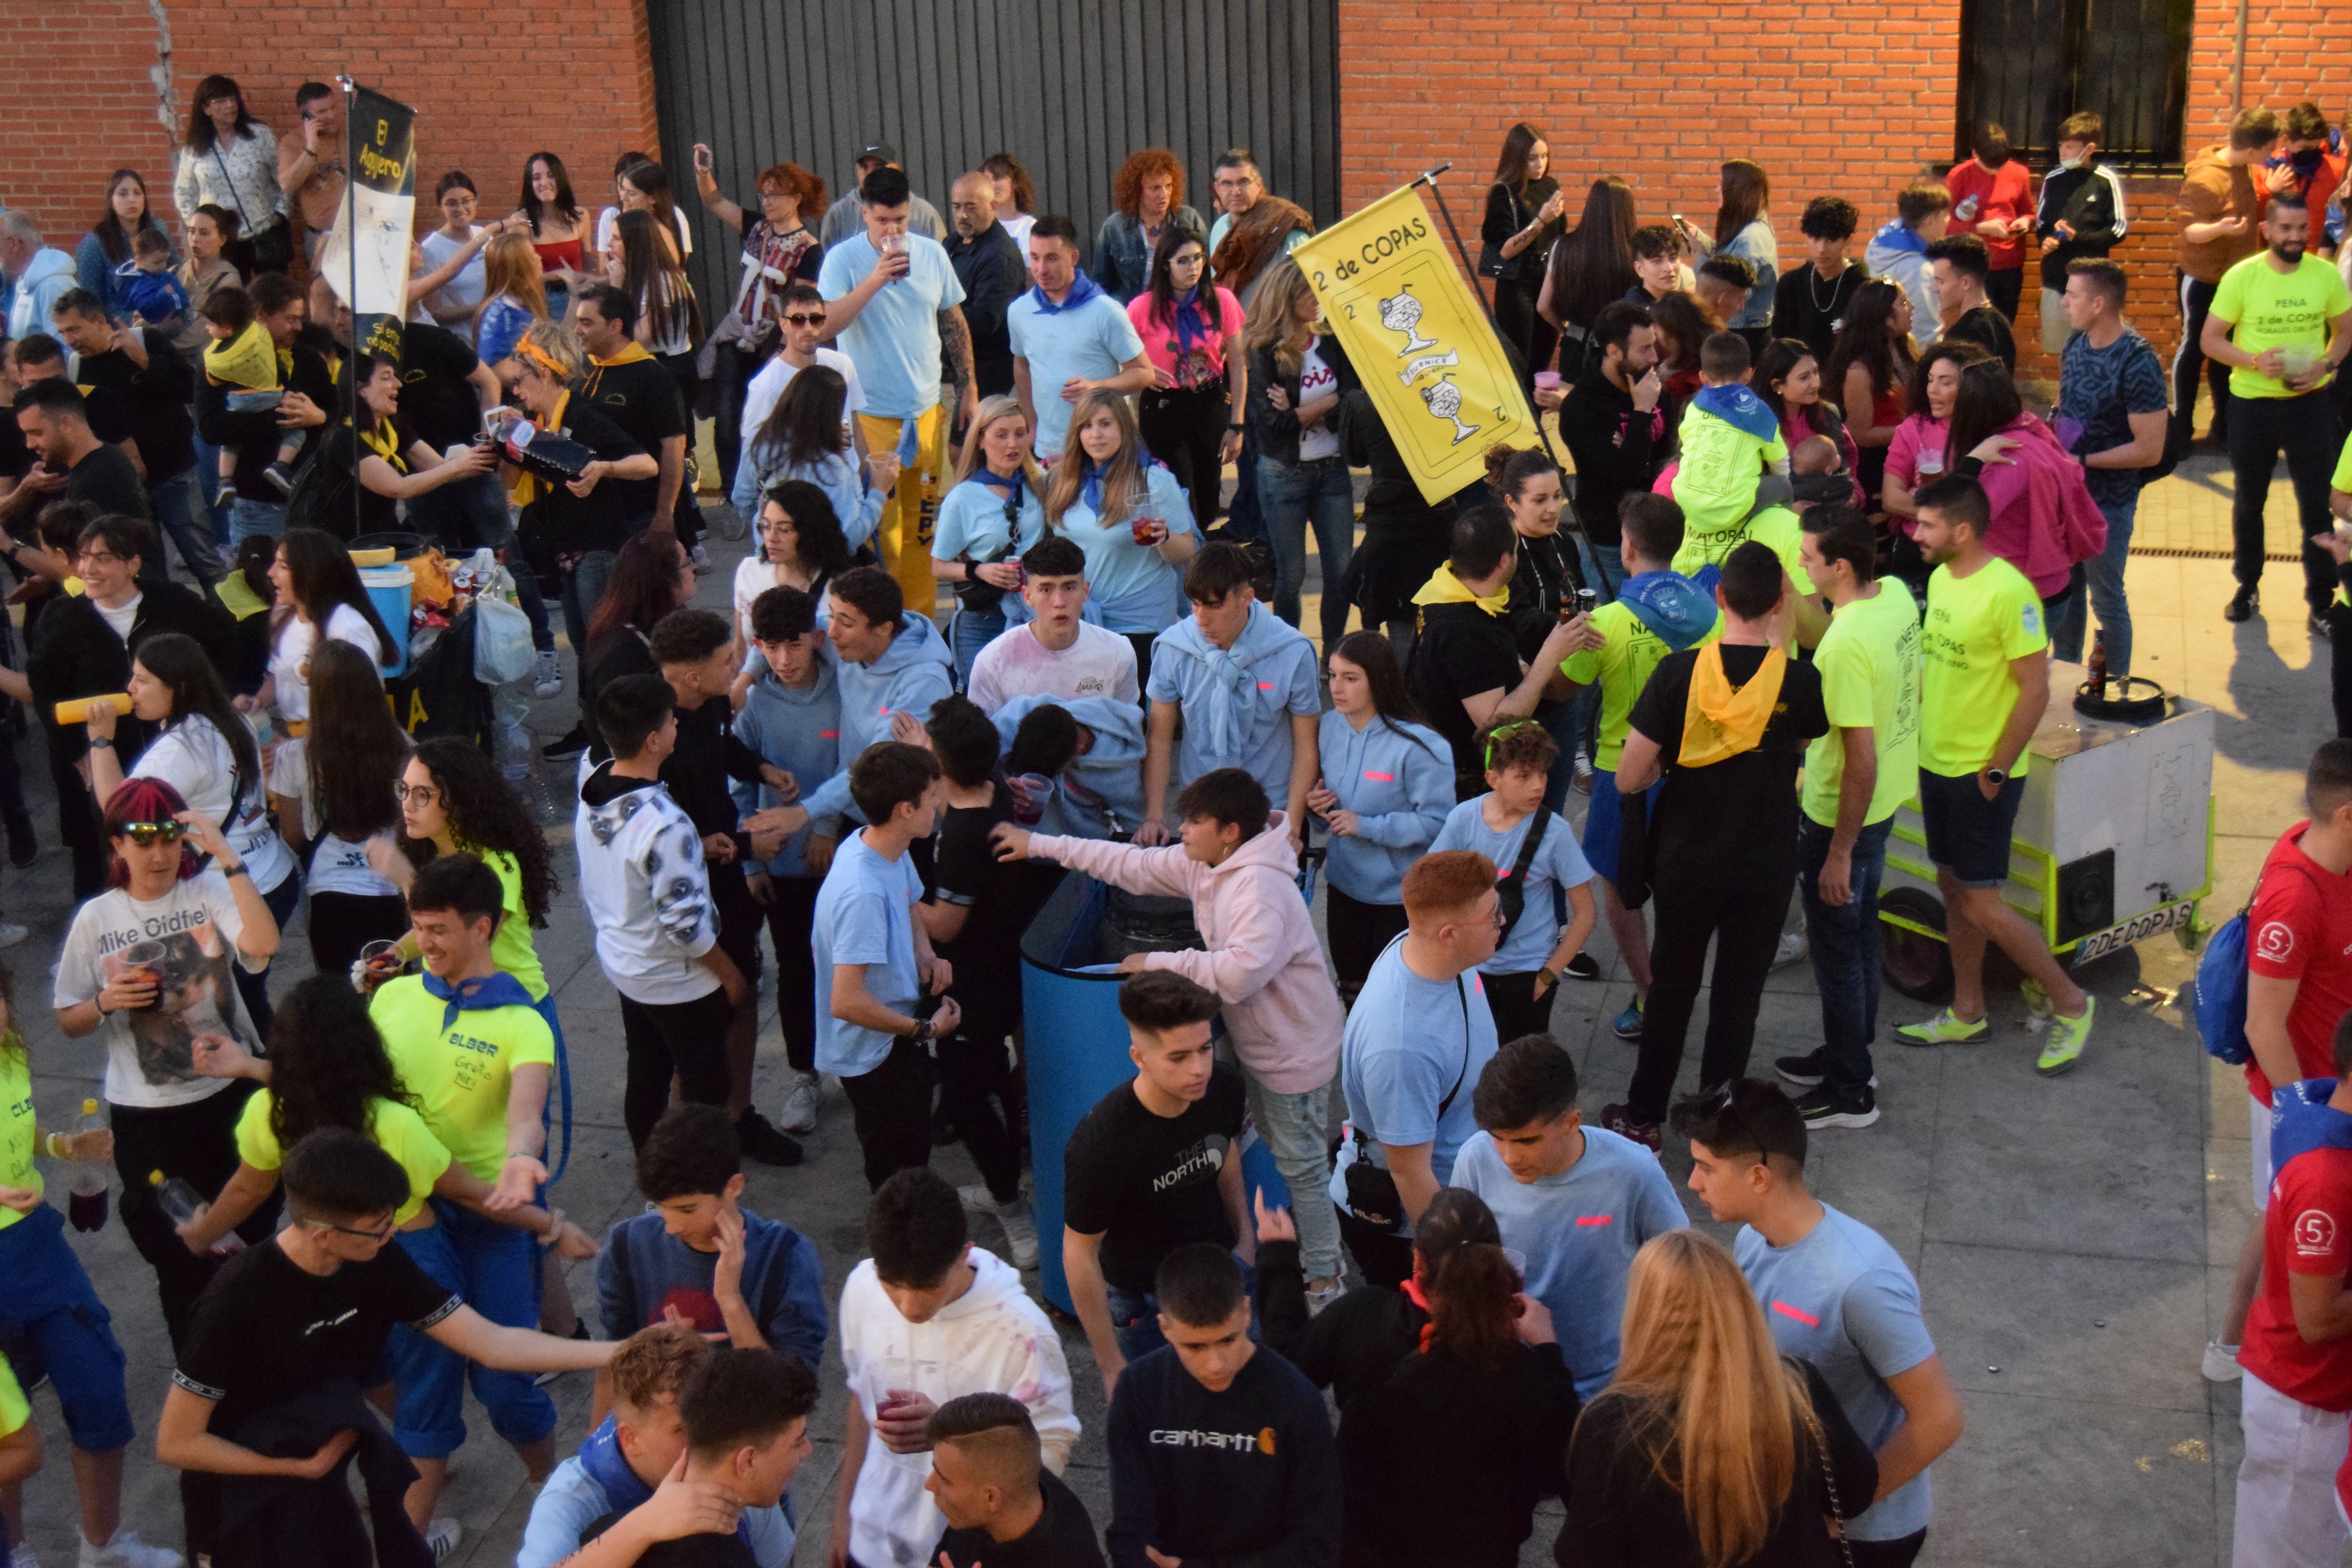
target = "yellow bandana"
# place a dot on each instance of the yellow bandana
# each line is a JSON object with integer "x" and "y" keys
{"x": 1445, "y": 588}
{"x": 1718, "y": 722}
{"x": 249, "y": 360}
{"x": 530, "y": 487}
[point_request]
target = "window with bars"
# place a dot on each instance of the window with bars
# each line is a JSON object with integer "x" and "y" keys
{"x": 2029, "y": 64}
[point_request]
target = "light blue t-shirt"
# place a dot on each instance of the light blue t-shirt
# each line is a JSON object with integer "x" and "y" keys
{"x": 1841, "y": 1298}
{"x": 1558, "y": 862}
{"x": 1137, "y": 590}
{"x": 572, "y": 1502}
{"x": 1579, "y": 1232}
{"x": 1282, "y": 681}
{"x": 1409, "y": 1043}
{"x": 1094, "y": 340}
{"x": 971, "y": 527}
{"x": 865, "y": 915}
{"x": 895, "y": 341}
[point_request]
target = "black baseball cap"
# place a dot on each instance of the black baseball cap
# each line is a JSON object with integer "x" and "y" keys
{"x": 881, "y": 151}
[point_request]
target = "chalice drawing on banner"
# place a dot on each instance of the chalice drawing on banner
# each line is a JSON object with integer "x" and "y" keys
{"x": 1445, "y": 401}
{"x": 1401, "y": 313}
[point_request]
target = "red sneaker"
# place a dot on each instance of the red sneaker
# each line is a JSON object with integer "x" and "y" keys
{"x": 1615, "y": 1119}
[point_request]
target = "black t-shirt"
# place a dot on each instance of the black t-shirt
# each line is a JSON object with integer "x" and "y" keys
{"x": 437, "y": 405}
{"x": 559, "y": 522}
{"x": 105, "y": 478}
{"x": 642, "y": 398}
{"x": 1987, "y": 329}
{"x": 1063, "y": 1537}
{"x": 15, "y": 457}
{"x": 1804, "y": 307}
{"x": 267, "y": 1330}
{"x": 1146, "y": 1184}
{"x": 149, "y": 405}
{"x": 1733, "y": 821}
{"x": 1461, "y": 651}
{"x": 1002, "y": 898}
{"x": 681, "y": 1551}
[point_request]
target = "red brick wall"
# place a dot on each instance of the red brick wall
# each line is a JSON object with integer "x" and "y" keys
{"x": 1830, "y": 103}
{"x": 491, "y": 85}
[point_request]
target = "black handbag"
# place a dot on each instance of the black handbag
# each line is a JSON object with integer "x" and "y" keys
{"x": 1372, "y": 1194}
{"x": 1492, "y": 262}
{"x": 1511, "y": 887}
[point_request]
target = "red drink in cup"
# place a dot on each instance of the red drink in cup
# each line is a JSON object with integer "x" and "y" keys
{"x": 1147, "y": 530}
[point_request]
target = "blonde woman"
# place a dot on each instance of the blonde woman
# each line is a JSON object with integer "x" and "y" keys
{"x": 1129, "y": 515}
{"x": 994, "y": 512}
{"x": 1295, "y": 376}
{"x": 514, "y": 295}
{"x": 1707, "y": 1448}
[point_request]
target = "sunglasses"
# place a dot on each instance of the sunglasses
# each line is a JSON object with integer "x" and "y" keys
{"x": 146, "y": 834}
{"x": 803, "y": 319}
{"x": 379, "y": 1236}
{"x": 1503, "y": 732}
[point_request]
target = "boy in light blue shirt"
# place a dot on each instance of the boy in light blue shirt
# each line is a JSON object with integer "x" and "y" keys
{"x": 1523, "y": 977}
{"x": 874, "y": 961}
{"x": 885, "y": 291}
{"x": 1834, "y": 1294}
{"x": 1068, "y": 337}
{"x": 1577, "y": 1201}
{"x": 1245, "y": 684}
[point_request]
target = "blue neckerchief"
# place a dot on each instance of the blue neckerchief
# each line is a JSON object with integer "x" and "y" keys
{"x": 1082, "y": 289}
{"x": 601, "y": 1458}
{"x": 500, "y": 990}
{"x": 1899, "y": 238}
{"x": 1191, "y": 323}
{"x": 1090, "y": 487}
{"x": 1677, "y": 612}
{"x": 1011, "y": 489}
{"x": 2301, "y": 1120}
{"x": 1738, "y": 407}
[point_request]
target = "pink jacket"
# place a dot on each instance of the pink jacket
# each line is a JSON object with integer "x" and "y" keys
{"x": 1262, "y": 960}
{"x": 2044, "y": 519}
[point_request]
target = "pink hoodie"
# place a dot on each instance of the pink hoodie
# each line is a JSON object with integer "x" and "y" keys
{"x": 2044, "y": 519}
{"x": 1262, "y": 961}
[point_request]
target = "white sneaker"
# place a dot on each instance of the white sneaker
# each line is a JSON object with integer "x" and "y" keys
{"x": 1791, "y": 948}
{"x": 2221, "y": 1362}
{"x": 1317, "y": 1300}
{"x": 548, "y": 676}
{"x": 1020, "y": 1224}
{"x": 441, "y": 1536}
{"x": 10, "y": 935}
{"x": 800, "y": 1106}
{"x": 23, "y": 1558}
{"x": 701, "y": 557}
{"x": 127, "y": 1551}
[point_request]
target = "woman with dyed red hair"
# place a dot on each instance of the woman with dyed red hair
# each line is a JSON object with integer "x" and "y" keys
{"x": 1146, "y": 198}
{"x": 146, "y": 968}
{"x": 779, "y": 250}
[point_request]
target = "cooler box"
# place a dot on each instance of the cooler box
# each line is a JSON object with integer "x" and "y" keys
{"x": 388, "y": 588}
{"x": 1074, "y": 1042}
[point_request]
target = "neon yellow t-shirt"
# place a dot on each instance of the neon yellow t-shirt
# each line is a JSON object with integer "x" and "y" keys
{"x": 15, "y": 1408}
{"x": 1776, "y": 528}
{"x": 460, "y": 1076}
{"x": 1715, "y": 482}
{"x": 2268, "y": 308}
{"x": 1975, "y": 626}
{"x": 511, "y": 948}
{"x": 1623, "y": 665}
{"x": 16, "y": 1166}
{"x": 1869, "y": 665}
{"x": 392, "y": 1127}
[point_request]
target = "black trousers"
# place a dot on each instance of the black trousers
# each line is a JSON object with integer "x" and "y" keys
{"x": 791, "y": 915}
{"x": 2005, "y": 288}
{"x": 891, "y": 1107}
{"x": 1141, "y": 643}
{"x": 688, "y": 1038}
{"x": 1744, "y": 924}
{"x": 983, "y": 1096}
{"x": 2339, "y": 666}
{"x": 197, "y": 1142}
{"x": 1517, "y": 1009}
{"x": 342, "y": 923}
{"x": 2188, "y": 361}
{"x": 1532, "y": 338}
{"x": 2305, "y": 428}
{"x": 1359, "y": 932}
{"x": 1182, "y": 427}
{"x": 78, "y": 825}
{"x": 1899, "y": 1553}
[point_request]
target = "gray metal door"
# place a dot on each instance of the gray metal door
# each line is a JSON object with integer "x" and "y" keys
{"x": 1069, "y": 89}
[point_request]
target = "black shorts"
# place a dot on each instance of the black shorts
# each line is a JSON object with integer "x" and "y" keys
{"x": 1967, "y": 833}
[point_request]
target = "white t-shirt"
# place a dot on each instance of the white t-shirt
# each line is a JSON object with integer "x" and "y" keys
{"x": 1317, "y": 379}
{"x": 1100, "y": 663}
{"x": 120, "y": 619}
{"x": 612, "y": 216}
{"x": 767, "y": 390}
{"x": 340, "y": 865}
{"x": 289, "y": 662}
{"x": 189, "y": 937}
{"x": 754, "y": 577}
{"x": 1018, "y": 226}
{"x": 462, "y": 292}
{"x": 194, "y": 757}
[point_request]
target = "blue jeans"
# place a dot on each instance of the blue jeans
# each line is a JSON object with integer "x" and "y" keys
{"x": 496, "y": 1271}
{"x": 1135, "y": 1315}
{"x": 2105, "y": 572}
{"x": 968, "y": 633}
{"x": 248, "y": 518}
{"x": 177, "y": 506}
{"x": 1245, "y": 519}
{"x": 583, "y": 587}
{"x": 53, "y": 1311}
{"x": 1605, "y": 569}
{"x": 208, "y": 484}
{"x": 1844, "y": 941}
{"x": 1317, "y": 491}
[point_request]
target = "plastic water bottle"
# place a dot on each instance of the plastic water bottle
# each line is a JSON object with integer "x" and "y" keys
{"x": 181, "y": 1203}
{"x": 87, "y": 1205}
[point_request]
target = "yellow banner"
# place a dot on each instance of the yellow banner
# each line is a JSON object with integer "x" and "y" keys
{"x": 1424, "y": 350}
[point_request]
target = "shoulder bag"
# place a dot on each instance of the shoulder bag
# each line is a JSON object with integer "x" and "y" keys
{"x": 1372, "y": 1194}
{"x": 1492, "y": 262}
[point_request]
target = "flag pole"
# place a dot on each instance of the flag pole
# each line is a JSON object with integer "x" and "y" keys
{"x": 1429, "y": 178}
{"x": 348, "y": 379}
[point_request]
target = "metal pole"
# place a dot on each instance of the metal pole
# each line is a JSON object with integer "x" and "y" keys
{"x": 1430, "y": 179}
{"x": 348, "y": 379}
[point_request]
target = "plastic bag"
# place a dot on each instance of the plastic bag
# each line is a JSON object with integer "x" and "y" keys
{"x": 503, "y": 651}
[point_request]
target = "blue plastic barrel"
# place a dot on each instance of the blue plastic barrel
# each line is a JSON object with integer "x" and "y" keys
{"x": 388, "y": 588}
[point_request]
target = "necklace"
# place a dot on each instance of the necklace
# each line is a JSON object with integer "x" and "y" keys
{"x": 1812, "y": 281}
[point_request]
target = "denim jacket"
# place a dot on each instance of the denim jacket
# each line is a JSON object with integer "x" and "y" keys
{"x": 1123, "y": 257}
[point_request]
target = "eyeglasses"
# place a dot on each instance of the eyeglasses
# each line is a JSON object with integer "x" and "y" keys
{"x": 423, "y": 794}
{"x": 145, "y": 833}
{"x": 801, "y": 319}
{"x": 380, "y": 1235}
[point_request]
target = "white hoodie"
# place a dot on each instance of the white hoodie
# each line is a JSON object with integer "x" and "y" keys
{"x": 647, "y": 891}
{"x": 990, "y": 1340}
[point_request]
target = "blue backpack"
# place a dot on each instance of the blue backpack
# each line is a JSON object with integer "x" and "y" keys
{"x": 2221, "y": 993}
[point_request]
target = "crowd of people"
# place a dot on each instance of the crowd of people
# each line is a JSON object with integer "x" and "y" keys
{"x": 1809, "y": 559}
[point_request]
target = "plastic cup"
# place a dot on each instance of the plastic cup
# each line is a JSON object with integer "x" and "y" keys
{"x": 1546, "y": 381}
{"x": 1146, "y": 530}
{"x": 1030, "y": 793}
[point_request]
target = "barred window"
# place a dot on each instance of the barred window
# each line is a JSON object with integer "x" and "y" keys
{"x": 2029, "y": 64}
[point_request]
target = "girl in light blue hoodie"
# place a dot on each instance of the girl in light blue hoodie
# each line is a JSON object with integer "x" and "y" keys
{"x": 805, "y": 439}
{"x": 1385, "y": 787}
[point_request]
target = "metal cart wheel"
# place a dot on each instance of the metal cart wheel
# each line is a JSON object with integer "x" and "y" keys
{"x": 1918, "y": 967}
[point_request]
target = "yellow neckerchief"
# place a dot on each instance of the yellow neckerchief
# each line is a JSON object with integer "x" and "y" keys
{"x": 530, "y": 488}
{"x": 1444, "y": 588}
{"x": 250, "y": 360}
{"x": 236, "y": 596}
{"x": 1718, "y": 722}
{"x": 385, "y": 442}
{"x": 635, "y": 352}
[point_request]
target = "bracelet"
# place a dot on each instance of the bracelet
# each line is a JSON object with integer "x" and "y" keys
{"x": 50, "y": 1145}
{"x": 554, "y": 1221}
{"x": 237, "y": 870}
{"x": 520, "y": 1154}
{"x": 102, "y": 742}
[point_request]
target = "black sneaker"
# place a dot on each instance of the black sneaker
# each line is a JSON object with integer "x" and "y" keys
{"x": 1583, "y": 966}
{"x": 1824, "y": 1107}
{"x": 762, "y": 1142}
{"x": 1804, "y": 1071}
{"x": 24, "y": 844}
{"x": 2243, "y": 604}
{"x": 2319, "y": 626}
{"x": 280, "y": 477}
{"x": 573, "y": 741}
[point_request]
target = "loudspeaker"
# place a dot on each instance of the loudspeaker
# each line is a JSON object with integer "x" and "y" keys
{"x": 2086, "y": 895}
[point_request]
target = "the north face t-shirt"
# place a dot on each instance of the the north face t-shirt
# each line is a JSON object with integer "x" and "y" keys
{"x": 1146, "y": 1184}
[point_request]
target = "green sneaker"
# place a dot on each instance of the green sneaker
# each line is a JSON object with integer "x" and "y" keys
{"x": 2067, "y": 1038}
{"x": 1944, "y": 1029}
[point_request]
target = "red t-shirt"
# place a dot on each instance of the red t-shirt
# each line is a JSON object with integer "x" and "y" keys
{"x": 2300, "y": 929}
{"x": 2004, "y": 194}
{"x": 2307, "y": 1229}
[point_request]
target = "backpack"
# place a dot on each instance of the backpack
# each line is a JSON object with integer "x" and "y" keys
{"x": 2219, "y": 1004}
{"x": 324, "y": 496}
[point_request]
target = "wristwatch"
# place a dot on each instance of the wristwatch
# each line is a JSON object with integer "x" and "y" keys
{"x": 1236, "y": 430}
{"x": 1997, "y": 776}
{"x": 921, "y": 1034}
